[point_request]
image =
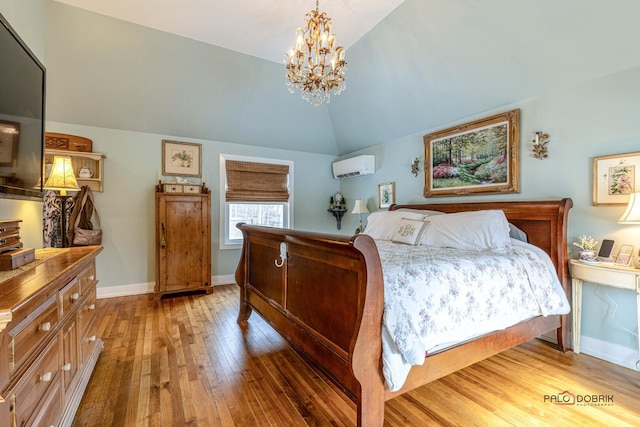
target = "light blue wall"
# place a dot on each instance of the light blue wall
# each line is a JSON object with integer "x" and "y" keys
{"x": 27, "y": 17}
{"x": 129, "y": 87}
{"x": 101, "y": 70}
{"x": 105, "y": 72}
{"x": 596, "y": 118}
{"x": 439, "y": 61}
{"x": 126, "y": 206}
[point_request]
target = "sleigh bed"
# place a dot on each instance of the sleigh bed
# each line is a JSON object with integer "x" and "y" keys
{"x": 325, "y": 295}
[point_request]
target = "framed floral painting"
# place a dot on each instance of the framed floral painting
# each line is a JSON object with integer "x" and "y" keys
{"x": 478, "y": 157}
{"x": 615, "y": 177}
{"x": 181, "y": 158}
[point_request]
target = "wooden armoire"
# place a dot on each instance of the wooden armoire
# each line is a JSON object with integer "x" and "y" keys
{"x": 183, "y": 241}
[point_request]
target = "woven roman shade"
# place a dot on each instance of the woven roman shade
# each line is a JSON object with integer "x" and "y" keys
{"x": 256, "y": 182}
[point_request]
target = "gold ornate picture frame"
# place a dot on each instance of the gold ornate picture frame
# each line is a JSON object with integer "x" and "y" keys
{"x": 479, "y": 157}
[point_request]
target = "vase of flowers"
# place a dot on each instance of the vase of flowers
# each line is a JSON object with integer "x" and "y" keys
{"x": 587, "y": 245}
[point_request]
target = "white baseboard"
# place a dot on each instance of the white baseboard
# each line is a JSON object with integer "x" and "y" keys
{"x": 604, "y": 350}
{"x": 147, "y": 288}
{"x": 225, "y": 279}
{"x": 610, "y": 352}
{"x": 124, "y": 290}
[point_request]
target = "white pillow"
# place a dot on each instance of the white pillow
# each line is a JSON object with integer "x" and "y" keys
{"x": 476, "y": 230}
{"x": 421, "y": 212}
{"x": 382, "y": 225}
{"x": 409, "y": 231}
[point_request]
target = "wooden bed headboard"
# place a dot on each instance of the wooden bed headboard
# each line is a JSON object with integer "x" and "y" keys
{"x": 544, "y": 222}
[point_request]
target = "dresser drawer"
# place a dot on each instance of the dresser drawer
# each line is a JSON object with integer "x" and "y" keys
{"x": 88, "y": 343}
{"x": 10, "y": 227}
{"x": 50, "y": 410}
{"x": 88, "y": 312}
{"x": 10, "y": 234}
{"x": 69, "y": 296}
{"x": 87, "y": 279}
{"x": 33, "y": 330}
{"x": 31, "y": 388}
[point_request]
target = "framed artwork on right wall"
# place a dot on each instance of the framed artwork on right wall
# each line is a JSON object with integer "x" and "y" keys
{"x": 615, "y": 177}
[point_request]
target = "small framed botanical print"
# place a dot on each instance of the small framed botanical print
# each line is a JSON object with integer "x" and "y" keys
{"x": 181, "y": 158}
{"x": 615, "y": 178}
{"x": 386, "y": 195}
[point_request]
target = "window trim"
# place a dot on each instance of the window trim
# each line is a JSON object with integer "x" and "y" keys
{"x": 224, "y": 210}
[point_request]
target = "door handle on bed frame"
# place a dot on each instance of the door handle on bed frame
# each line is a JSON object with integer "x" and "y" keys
{"x": 283, "y": 255}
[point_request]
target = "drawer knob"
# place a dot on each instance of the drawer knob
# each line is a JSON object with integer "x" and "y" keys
{"x": 75, "y": 296}
{"x": 45, "y": 327}
{"x": 66, "y": 367}
{"x": 91, "y": 277}
{"x": 91, "y": 307}
{"x": 92, "y": 338}
{"x": 46, "y": 377}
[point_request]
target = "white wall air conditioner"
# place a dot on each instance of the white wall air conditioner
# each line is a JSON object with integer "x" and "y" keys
{"x": 355, "y": 166}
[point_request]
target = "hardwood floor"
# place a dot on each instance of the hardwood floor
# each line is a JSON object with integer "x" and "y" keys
{"x": 184, "y": 361}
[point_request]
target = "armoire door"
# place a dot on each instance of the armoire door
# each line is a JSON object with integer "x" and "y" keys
{"x": 183, "y": 242}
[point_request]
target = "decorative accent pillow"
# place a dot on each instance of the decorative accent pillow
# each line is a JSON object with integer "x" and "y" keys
{"x": 409, "y": 231}
{"x": 476, "y": 230}
{"x": 382, "y": 225}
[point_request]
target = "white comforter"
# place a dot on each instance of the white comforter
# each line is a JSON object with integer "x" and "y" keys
{"x": 435, "y": 297}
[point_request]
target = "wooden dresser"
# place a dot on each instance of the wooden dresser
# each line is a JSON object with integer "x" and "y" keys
{"x": 183, "y": 242}
{"x": 48, "y": 337}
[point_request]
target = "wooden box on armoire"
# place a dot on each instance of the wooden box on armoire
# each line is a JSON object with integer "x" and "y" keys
{"x": 183, "y": 242}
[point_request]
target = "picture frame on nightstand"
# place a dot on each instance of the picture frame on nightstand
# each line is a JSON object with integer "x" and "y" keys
{"x": 625, "y": 255}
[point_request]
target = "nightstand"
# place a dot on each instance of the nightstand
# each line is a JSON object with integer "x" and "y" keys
{"x": 605, "y": 274}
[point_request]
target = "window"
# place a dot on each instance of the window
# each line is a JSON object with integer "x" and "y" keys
{"x": 255, "y": 191}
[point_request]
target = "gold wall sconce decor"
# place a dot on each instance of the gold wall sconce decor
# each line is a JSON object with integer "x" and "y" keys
{"x": 415, "y": 166}
{"x": 540, "y": 141}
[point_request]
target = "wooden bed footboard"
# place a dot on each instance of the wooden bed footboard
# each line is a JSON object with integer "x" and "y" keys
{"x": 324, "y": 294}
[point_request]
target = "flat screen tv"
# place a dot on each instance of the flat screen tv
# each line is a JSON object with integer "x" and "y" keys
{"x": 22, "y": 108}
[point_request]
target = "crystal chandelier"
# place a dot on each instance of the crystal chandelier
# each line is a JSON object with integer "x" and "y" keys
{"x": 314, "y": 65}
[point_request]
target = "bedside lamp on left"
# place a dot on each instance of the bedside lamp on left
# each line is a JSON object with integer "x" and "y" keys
{"x": 62, "y": 178}
{"x": 359, "y": 208}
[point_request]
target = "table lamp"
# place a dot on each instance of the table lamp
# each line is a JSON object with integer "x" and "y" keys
{"x": 632, "y": 214}
{"x": 359, "y": 208}
{"x": 62, "y": 178}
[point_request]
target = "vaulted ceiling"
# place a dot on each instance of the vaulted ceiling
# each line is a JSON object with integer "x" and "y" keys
{"x": 261, "y": 28}
{"x": 416, "y": 65}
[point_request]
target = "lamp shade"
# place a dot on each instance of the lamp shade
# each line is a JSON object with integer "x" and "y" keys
{"x": 62, "y": 177}
{"x": 360, "y": 207}
{"x": 632, "y": 214}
